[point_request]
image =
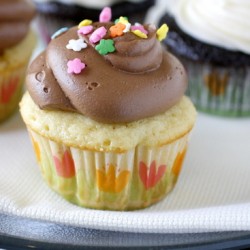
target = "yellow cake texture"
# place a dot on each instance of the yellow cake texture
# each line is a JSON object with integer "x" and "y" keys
{"x": 77, "y": 130}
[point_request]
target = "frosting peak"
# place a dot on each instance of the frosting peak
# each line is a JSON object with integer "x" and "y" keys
{"x": 111, "y": 77}
{"x": 140, "y": 55}
{"x": 15, "y": 16}
{"x": 132, "y": 54}
{"x": 224, "y": 23}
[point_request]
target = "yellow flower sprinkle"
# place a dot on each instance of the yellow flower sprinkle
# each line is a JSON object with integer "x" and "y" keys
{"x": 122, "y": 20}
{"x": 139, "y": 33}
{"x": 85, "y": 22}
{"x": 161, "y": 33}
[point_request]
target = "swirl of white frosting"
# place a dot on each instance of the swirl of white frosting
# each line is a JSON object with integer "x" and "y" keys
{"x": 224, "y": 23}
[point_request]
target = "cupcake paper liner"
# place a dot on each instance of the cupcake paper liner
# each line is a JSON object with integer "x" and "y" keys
{"x": 219, "y": 90}
{"x": 11, "y": 81}
{"x": 108, "y": 180}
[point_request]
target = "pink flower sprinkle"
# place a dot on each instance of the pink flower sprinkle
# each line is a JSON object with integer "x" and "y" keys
{"x": 85, "y": 30}
{"x": 105, "y": 15}
{"x": 97, "y": 35}
{"x": 139, "y": 27}
{"x": 75, "y": 66}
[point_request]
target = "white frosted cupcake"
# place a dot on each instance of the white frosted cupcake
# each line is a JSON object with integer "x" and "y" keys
{"x": 110, "y": 127}
{"x": 212, "y": 41}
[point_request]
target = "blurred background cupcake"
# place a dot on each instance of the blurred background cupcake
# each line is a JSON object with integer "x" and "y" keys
{"x": 55, "y": 14}
{"x": 16, "y": 44}
{"x": 212, "y": 39}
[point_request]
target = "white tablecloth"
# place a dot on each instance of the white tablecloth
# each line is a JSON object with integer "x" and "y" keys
{"x": 212, "y": 193}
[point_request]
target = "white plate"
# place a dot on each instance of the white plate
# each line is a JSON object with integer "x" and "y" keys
{"x": 213, "y": 191}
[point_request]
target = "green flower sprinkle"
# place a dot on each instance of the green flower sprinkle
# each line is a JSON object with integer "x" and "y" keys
{"x": 105, "y": 46}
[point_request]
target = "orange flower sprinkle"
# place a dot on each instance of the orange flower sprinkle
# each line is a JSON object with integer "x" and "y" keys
{"x": 117, "y": 30}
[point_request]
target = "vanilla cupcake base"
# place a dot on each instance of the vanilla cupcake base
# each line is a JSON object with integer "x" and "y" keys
{"x": 109, "y": 166}
{"x": 13, "y": 64}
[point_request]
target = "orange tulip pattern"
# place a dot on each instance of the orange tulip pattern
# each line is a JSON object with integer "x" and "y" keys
{"x": 178, "y": 162}
{"x": 108, "y": 182}
{"x": 36, "y": 149}
{"x": 65, "y": 167}
{"x": 151, "y": 178}
{"x": 216, "y": 83}
{"x": 8, "y": 90}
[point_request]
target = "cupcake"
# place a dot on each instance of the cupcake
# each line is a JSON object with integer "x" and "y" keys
{"x": 212, "y": 41}
{"x": 54, "y": 14}
{"x": 16, "y": 44}
{"x": 107, "y": 115}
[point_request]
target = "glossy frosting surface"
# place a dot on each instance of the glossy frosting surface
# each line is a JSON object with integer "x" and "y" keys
{"x": 140, "y": 79}
{"x": 15, "y": 17}
{"x": 224, "y": 23}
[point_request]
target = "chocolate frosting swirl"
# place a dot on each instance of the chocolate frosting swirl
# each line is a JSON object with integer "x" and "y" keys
{"x": 15, "y": 17}
{"x": 140, "y": 79}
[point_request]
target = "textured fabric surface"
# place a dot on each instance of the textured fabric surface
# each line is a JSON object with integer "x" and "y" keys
{"x": 212, "y": 193}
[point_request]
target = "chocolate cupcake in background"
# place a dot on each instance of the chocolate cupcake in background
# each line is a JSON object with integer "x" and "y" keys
{"x": 212, "y": 39}
{"x": 55, "y": 14}
{"x": 16, "y": 44}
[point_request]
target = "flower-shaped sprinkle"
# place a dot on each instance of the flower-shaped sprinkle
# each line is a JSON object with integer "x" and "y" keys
{"x": 122, "y": 19}
{"x": 84, "y": 22}
{"x": 75, "y": 66}
{"x": 161, "y": 33}
{"x": 105, "y": 46}
{"x": 117, "y": 30}
{"x": 139, "y": 34}
{"x": 139, "y": 27}
{"x": 105, "y": 15}
{"x": 85, "y": 30}
{"x": 76, "y": 45}
{"x": 97, "y": 35}
{"x": 59, "y": 32}
{"x": 137, "y": 24}
{"x": 127, "y": 29}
